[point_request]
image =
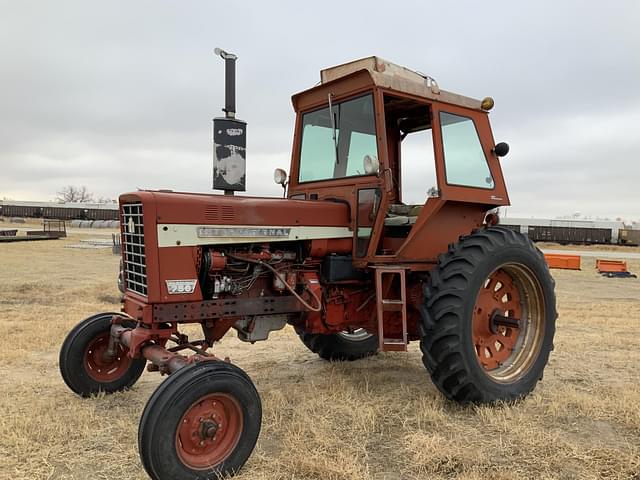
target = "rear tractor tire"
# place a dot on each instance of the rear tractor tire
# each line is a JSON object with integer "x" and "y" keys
{"x": 340, "y": 346}
{"x": 201, "y": 423}
{"x": 83, "y": 366}
{"x": 488, "y": 319}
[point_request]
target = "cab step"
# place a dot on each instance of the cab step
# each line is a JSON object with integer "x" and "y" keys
{"x": 385, "y": 277}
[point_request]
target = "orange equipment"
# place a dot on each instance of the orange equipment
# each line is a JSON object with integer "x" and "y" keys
{"x": 611, "y": 266}
{"x": 565, "y": 262}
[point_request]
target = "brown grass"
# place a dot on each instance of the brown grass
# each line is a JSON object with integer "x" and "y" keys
{"x": 379, "y": 418}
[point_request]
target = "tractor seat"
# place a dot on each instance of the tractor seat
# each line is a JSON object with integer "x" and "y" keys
{"x": 402, "y": 215}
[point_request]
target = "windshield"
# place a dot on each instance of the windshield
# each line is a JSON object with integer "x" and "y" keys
{"x": 322, "y": 157}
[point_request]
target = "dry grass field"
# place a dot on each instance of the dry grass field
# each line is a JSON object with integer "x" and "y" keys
{"x": 379, "y": 418}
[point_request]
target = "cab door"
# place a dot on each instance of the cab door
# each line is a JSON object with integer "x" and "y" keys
{"x": 337, "y": 159}
{"x": 468, "y": 170}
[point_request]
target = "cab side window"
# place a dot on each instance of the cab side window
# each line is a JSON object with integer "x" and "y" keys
{"x": 464, "y": 160}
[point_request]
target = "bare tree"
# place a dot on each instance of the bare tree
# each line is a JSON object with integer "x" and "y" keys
{"x": 73, "y": 194}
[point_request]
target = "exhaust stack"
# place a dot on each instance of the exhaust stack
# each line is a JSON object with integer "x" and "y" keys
{"x": 229, "y": 82}
{"x": 229, "y": 136}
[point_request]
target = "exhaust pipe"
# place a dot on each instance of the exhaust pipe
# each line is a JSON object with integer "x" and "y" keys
{"x": 229, "y": 136}
{"x": 229, "y": 82}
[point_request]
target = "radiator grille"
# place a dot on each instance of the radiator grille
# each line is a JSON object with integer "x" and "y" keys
{"x": 135, "y": 266}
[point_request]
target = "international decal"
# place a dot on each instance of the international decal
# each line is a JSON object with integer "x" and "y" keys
{"x": 215, "y": 232}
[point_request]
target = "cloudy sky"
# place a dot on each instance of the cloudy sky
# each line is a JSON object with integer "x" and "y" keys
{"x": 119, "y": 95}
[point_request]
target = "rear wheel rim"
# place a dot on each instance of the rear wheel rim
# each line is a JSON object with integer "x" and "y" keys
{"x": 209, "y": 431}
{"x": 99, "y": 366}
{"x": 508, "y": 322}
{"x": 358, "y": 335}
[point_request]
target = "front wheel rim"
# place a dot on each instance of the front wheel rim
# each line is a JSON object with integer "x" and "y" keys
{"x": 209, "y": 431}
{"x": 508, "y": 322}
{"x": 101, "y": 367}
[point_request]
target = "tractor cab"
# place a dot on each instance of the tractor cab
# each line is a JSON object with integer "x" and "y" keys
{"x": 349, "y": 147}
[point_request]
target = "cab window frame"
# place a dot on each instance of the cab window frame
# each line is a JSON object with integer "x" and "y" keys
{"x": 368, "y": 93}
{"x": 444, "y": 158}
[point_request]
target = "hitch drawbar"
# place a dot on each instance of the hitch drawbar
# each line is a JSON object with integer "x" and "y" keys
{"x": 150, "y": 345}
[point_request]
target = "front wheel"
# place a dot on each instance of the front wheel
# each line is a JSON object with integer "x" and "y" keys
{"x": 201, "y": 423}
{"x": 489, "y": 318}
{"x": 84, "y": 366}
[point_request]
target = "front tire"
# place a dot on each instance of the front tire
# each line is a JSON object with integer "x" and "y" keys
{"x": 488, "y": 319}
{"x": 82, "y": 365}
{"x": 201, "y": 423}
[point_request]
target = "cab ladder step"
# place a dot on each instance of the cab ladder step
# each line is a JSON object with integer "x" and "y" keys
{"x": 386, "y": 306}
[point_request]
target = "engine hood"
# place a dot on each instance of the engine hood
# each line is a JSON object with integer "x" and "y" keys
{"x": 189, "y": 219}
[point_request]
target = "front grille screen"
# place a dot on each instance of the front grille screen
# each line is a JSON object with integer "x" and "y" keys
{"x": 135, "y": 266}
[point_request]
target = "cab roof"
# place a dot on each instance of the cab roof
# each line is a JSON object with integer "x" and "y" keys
{"x": 388, "y": 75}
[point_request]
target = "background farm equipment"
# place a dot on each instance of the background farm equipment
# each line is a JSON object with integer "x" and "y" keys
{"x": 614, "y": 268}
{"x": 51, "y": 229}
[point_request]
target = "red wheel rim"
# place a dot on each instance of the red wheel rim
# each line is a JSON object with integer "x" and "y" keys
{"x": 98, "y": 366}
{"x": 495, "y": 342}
{"x": 209, "y": 431}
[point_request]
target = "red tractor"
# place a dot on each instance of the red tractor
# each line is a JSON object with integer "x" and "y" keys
{"x": 341, "y": 259}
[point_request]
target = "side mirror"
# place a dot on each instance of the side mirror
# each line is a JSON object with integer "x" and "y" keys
{"x": 280, "y": 176}
{"x": 501, "y": 149}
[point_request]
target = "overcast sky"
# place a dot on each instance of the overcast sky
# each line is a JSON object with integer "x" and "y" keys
{"x": 119, "y": 95}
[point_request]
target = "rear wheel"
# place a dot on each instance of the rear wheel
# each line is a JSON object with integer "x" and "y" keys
{"x": 340, "y": 346}
{"x": 489, "y": 318}
{"x": 84, "y": 366}
{"x": 201, "y": 423}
